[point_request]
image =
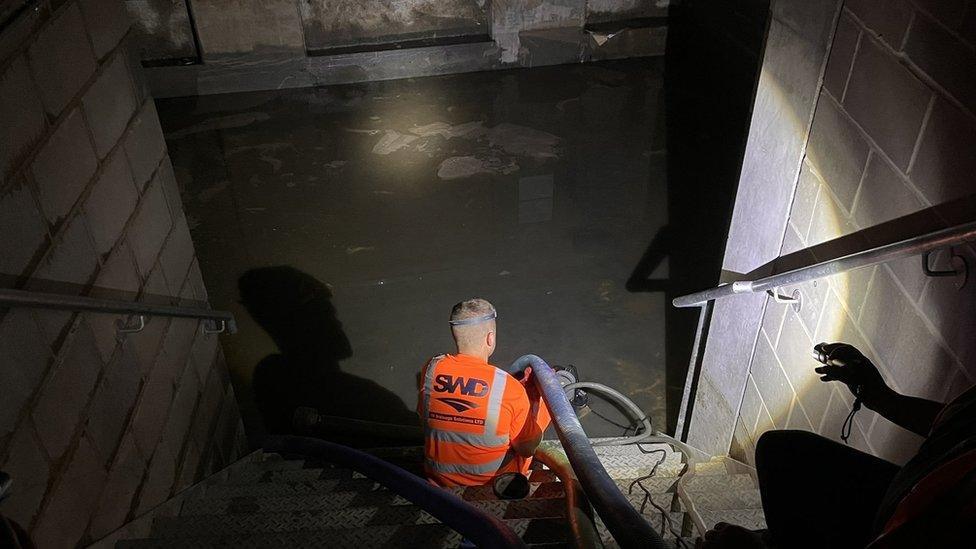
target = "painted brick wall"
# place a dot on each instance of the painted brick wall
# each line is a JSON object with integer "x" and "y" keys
{"x": 893, "y": 135}
{"x": 96, "y": 428}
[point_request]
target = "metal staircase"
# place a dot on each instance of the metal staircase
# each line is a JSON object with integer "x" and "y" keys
{"x": 270, "y": 501}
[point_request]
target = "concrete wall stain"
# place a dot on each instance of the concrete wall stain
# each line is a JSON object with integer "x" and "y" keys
{"x": 163, "y": 28}
{"x": 350, "y": 22}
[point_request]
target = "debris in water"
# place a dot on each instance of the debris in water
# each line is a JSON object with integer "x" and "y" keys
{"x": 393, "y": 141}
{"x": 356, "y": 249}
{"x": 220, "y": 123}
{"x": 458, "y": 167}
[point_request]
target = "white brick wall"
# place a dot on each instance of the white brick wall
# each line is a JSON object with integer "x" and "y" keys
{"x": 893, "y": 136}
{"x": 87, "y": 206}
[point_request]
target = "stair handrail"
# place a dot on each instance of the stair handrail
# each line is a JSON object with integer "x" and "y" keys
{"x": 628, "y": 527}
{"x": 921, "y": 244}
{"x": 481, "y": 527}
{"x": 23, "y": 298}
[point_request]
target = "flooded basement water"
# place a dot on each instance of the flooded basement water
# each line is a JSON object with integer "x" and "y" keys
{"x": 386, "y": 203}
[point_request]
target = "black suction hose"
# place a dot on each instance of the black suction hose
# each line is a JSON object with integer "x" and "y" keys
{"x": 628, "y": 527}
{"x": 483, "y": 529}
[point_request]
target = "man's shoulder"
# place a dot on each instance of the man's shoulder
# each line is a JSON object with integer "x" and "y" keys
{"x": 515, "y": 391}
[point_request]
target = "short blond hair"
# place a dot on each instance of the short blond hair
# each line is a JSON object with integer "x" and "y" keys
{"x": 471, "y": 334}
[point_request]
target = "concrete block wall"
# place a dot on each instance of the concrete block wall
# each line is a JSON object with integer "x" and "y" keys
{"x": 798, "y": 39}
{"x": 893, "y": 135}
{"x": 96, "y": 428}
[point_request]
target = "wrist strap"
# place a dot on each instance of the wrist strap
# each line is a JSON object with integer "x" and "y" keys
{"x": 845, "y": 430}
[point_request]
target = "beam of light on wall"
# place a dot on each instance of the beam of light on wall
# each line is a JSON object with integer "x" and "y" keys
{"x": 822, "y": 315}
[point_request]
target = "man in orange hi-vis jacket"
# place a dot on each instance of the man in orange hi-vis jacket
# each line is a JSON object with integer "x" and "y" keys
{"x": 478, "y": 420}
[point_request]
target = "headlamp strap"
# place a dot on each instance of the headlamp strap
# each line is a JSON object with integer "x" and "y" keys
{"x": 476, "y": 320}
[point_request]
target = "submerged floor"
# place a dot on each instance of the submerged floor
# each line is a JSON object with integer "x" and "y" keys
{"x": 537, "y": 189}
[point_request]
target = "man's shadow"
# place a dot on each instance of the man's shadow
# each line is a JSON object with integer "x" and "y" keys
{"x": 296, "y": 310}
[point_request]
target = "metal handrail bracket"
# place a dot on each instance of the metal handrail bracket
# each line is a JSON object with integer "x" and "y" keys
{"x": 22, "y": 298}
{"x": 880, "y": 254}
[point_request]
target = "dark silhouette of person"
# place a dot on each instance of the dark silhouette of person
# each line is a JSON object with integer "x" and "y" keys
{"x": 820, "y": 493}
{"x": 296, "y": 310}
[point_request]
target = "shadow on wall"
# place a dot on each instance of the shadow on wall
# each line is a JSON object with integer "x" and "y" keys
{"x": 296, "y": 310}
{"x": 710, "y": 79}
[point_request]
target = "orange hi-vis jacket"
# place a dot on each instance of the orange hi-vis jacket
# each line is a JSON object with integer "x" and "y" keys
{"x": 472, "y": 412}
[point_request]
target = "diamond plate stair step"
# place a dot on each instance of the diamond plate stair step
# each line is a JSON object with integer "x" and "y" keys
{"x": 327, "y": 494}
{"x": 204, "y": 531}
{"x": 655, "y": 520}
{"x": 667, "y": 501}
{"x": 423, "y": 536}
{"x": 650, "y": 449}
{"x": 719, "y": 483}
{"x": 261, "y": 467}
{"x": 233, "y": 524}
{"x": 251, "y": 476}
{"x": 267, "y": 489}
{"x": 654, "y": 485}
{"x": 536, "y": 506}
{"x": 714, "y": 467}
{"x": 631, "y": 463}
{"x": 753, "y": 519}
{"x": 726, "y": 499}
{"x": 636, "y": 471}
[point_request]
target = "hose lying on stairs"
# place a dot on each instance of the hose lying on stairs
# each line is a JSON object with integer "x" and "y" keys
{"x": 628, "y": 527}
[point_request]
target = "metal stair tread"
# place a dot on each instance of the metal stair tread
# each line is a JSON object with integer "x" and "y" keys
{"x": 720, "y": 500}
{"x": 531, "y": 507}
{"x": 271, "y": 465}
{"x": 712, "y": 483}
{"x": 654, "y": 485}
{"x": 752, "y": 519}
{"x": 360, "y": 490}
{"x": 269, "y": 489}
{"x": 203, "y": 529}
{"x": 513, "y": 512}
{"x": 428, "y": 535}
{"x": 250, "y": 476}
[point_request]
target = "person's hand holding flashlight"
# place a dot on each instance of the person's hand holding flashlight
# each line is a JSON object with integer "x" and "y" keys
{"x": 844, "y": 363}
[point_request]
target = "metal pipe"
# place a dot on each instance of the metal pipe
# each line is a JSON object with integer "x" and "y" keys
{"x": 482, "y": 528}
{"x": 579, "y": 512}
{"x": 22, "y": 298}
{"x": 881, "y": 254}
{"x": 628, "y": 527}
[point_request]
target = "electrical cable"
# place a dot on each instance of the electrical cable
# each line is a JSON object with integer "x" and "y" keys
{"x": 666, "y": 523}
{"x": 626, "y": 428}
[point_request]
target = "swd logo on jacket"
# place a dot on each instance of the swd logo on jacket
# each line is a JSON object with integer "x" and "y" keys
{"x": 445, "y": 383}
{"x": 473, "y": 387}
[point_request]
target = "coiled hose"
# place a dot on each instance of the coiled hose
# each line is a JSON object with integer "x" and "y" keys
{"x": 647, "y": 434}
